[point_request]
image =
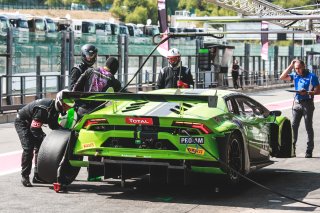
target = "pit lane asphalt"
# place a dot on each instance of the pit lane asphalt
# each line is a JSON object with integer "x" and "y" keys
{"x": 297, "y": 177}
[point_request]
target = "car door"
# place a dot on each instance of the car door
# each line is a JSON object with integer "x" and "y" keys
{"x": 253, "y": 115}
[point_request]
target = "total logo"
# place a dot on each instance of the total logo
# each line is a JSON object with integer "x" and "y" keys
{"x": 141, "y": 121}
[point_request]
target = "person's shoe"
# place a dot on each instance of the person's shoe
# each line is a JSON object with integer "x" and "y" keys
{"x": 25, "y": 181}
{"x": 37, "y": 179}
{"x": 308, "y": 154}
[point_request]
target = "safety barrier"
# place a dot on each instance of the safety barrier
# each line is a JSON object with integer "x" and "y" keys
{"x": 27, "y": 88}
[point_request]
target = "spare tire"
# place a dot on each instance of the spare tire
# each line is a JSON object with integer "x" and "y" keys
{"x": 50, "y": 155}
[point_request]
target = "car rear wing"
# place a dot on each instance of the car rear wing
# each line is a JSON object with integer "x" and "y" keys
{"x": 70, "y": 97}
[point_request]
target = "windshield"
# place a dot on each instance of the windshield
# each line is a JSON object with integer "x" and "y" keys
{"x": 39, "y": 24}
{"x": 100, "y": 26}
{"x": 3, "y": 24}
{"x": 123, "y": 30}
{"x": 51, "y": 27}
{"x": 131, "y": 30}
{"x": 22, "y": 23}
{"x": 88, "y": 27}
{"x": 114, "y": 29}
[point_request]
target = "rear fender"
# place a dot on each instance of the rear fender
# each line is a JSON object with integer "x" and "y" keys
{"x": 286, "y": 139}
{"x": 281, "y": 138}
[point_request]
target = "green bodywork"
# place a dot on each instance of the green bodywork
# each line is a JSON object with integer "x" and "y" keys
{"x": 189, "y": 106}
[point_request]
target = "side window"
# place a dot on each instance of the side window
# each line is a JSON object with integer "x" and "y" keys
{"x": 243, "y": 109}
{"x": 248, "y": 107}
{"x": 230, "y": 106}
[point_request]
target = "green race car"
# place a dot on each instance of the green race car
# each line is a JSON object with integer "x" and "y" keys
{"x": 162, "y": 132}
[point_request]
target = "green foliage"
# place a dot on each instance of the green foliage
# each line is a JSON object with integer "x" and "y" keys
{"x": 189, "y": 4}
{"x": 139, "y": 15}
{"x": 80, "y": 2}
{"x": 117, "y": 10}
{"x": 67, "y": 2}
{"x": 172, "y": 5}
{"x": 131, "y": 4}
{"x": 137, "y": 11}
{"x": 105, "y": 2}
{"x": 153, "y": 11}
{"x": 203, "y": 8}
{"x": 53, "y": 2}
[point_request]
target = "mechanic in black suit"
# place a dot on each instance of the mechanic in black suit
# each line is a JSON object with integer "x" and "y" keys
{"x": 28, "y": 126}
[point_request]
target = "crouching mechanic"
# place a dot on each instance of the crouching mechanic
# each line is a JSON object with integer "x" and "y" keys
{"x": 28, "y": 126}
{"x": 175, "y": 75}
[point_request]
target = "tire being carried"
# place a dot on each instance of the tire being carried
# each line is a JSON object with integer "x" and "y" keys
{"x": 50, "y": 155}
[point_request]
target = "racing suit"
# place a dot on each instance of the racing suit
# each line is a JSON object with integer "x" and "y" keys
{"x": 28, "y": 126}
{"x": 169, "y": 77}
{"x": 76, "y": 73}
{"x": 94, "y": 80}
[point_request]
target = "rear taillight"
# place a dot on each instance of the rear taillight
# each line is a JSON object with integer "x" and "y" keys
{"x": 94, "y": 121}
{"x": 202, "y": 127}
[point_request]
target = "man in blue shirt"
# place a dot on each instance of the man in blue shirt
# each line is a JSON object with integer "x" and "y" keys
{"x": 307, "y": 85}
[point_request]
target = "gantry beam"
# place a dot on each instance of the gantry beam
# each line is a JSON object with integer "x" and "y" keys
{"x": 260, "y": 8}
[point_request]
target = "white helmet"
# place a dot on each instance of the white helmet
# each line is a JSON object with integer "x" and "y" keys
{"x": 174, "y": 57}
{"x": 59, "y": 105}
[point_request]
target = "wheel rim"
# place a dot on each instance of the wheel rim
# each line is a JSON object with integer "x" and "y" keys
{"x": 235, "y": 159}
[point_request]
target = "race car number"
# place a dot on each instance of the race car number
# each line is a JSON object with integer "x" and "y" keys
{"x": 193, "y": 140}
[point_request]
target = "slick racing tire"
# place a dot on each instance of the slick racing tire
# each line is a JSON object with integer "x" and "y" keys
{"x": 234, "y": 158}
{"x": 50, "y": 155}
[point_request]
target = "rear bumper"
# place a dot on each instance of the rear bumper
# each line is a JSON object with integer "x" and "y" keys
{"x": 115, "y": 167}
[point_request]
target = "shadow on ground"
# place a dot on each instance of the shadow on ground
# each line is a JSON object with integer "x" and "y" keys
{"x": 212, "y": 190}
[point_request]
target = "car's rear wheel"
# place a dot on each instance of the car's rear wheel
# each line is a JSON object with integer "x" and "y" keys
{"x": 234, "y": 158}
{"x": 50, "y": 155}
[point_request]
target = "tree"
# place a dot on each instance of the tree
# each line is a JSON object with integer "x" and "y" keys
{"x": 67, "y": 2}
{"x": 53, "y": 2}
{"x": 132, "y": 4}
{"x": 153, "y": 11}
{"x": 139, "y": 15}
{"x": 105, "y": 2}
{"x": 202, "y": 8}
{"x": 118, "y": 10}
{"x": 135, "y": 8}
